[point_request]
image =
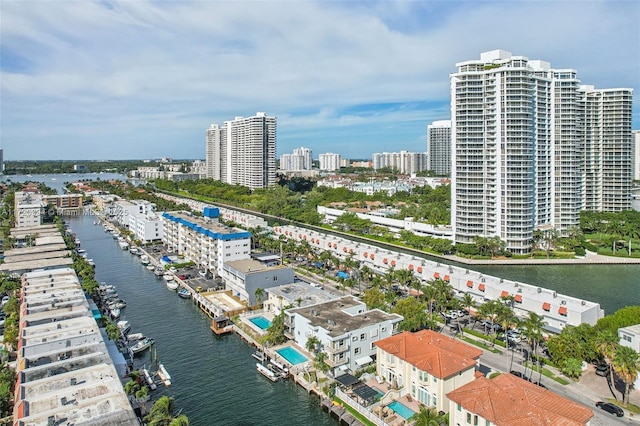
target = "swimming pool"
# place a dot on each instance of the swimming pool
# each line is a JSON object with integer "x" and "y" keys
{"x": 401, "y": 409}
{"x": 261, "y": 322}
{"x": 291, "y": 355}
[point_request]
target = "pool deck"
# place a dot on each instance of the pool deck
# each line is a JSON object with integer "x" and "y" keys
{"x": 406, "y": 400}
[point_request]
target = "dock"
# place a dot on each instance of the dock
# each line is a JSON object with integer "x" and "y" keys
{"x": 164, "y": 375}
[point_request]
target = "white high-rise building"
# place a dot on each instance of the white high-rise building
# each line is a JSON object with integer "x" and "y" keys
{"x": 531, "y": 148}
{"x": 330, "y": 161}
{"x": 636, "y": 155}
{"x": 439, "y": 147}
{"x": 243, "y": 151}
{"x": 404, "y": 162}
{"x": 299, "y": 160}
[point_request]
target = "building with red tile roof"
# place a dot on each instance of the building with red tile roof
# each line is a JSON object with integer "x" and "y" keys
{"x": 427, "y": 365}
{"x": 510, "y": 400}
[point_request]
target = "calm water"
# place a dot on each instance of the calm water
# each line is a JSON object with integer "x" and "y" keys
{"x": 214, "y": 379}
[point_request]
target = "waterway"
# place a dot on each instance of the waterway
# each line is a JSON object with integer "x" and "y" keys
{"x": 214, "y": 379}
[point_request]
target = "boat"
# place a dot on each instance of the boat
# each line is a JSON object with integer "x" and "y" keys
{"x": 80, "y": 251}
{"x": 115, "y": 313}
{"x": 134, "y": 337}
{"x": 144, "y": 259}
{"x": 184, "y": 293}
{"x": 167, "y": 277}
{"x": 259, "y": 355}
{"x": 117, "y": 304}
{"x": 142, "y": 345}
{"x": 172, "y": 285}
{"x": 221, "y": 325}
{"x": 164, "y": 375}
{"x": 269, "y": 372}
{"x": 150, "y": 267}
{"x": 159, "y": 271}
{"x": 147, "y": 378}
{"x": 90, "y": 262}
{"x": 133, "y": 250}
{"x": 123, "y": 244}
{"x": 124, "y": 326}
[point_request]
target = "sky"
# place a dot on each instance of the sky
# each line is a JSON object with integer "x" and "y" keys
{"x": 143, "y": 79}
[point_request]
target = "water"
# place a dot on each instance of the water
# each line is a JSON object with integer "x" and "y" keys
{"x": 261, "y": 322}
{"x": 292, "y": 356}
{"x": 58, "y": 181}
{"x": 214, "y": 379}
{"x": 402, "y": 409}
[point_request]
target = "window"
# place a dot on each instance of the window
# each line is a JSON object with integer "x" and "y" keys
{"x": 475, "y": 420}
{"x": 275, "y": 278}
{"x": 363, "y": 336}
{"x": 383, "y": 329}
{"x": 469, "y": 418}
{"x": 459, "y": 407}
{"x": 356, "y": 351}
{"x": 354, "y": 338}
{"x": 626, "y": 337}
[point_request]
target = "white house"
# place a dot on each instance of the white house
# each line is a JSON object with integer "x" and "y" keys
{"x": 630, "y": 337}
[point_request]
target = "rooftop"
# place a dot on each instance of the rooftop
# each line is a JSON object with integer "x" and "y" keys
{"x": 36, "y": 264}
{"x": 301, "y": 291}
{"x": 248, "y": 266}
{"x": 206, "y": 227}
{"x": 435, "y": 353}
{"x": 510, "y": 400}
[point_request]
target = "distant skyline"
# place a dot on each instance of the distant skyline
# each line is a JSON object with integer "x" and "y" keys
{"x": 143, "y": 79}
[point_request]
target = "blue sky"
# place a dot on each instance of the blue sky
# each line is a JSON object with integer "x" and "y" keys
{"x": 144, "y": 79}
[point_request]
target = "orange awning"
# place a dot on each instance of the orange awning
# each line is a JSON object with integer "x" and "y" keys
{"x": 470, "y": 284}
{"x": 393, "y": 263}
{"x": 365, "y": 254}
{"x": 371, "y": 256}
{"x": 504, "y": 293}
{"x": 410, "y": 267}
{"x": 446, "y": 278}
{"x": 344, "y": 248}
{"x": 518, "y": 298}
{"x": 481, "y": 287}
{"x": 419, "y": 269}
{"x": 385, "y": 260}
{"x": 546, "y": 306}
{"x": 436, "y": 275}
{"x": 562, "y": 310}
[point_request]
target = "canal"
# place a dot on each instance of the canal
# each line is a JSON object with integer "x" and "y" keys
{"x": 214, "y": 380}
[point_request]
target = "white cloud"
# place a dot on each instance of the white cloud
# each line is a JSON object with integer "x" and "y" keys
{"x": 162, "y": 67}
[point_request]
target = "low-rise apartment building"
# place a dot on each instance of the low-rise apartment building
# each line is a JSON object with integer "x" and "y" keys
{"x": 203, "y": 240}
{"x": 28, "y": 209}
{"x": 630, "y": 337}
{"x": 427, "y": 365}
{"x": 146, "y": 227}
{"x": 244, "y": 277}
{"x": 345, "y": 328}
{"x": 510, "y": 400}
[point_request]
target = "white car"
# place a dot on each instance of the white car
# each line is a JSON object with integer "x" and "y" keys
{"x": 451, "y": 315}
{"x": 202, "y": 273}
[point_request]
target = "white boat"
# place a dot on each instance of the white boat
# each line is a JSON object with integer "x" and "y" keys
{"x": 117, "y": 304}
{"x": 172, "y": 285}
{"x": 150, "y": 267}
{"x": 142, "y": 345}
{"x": 167, "y": 277}
{"x": 159, "y": 271}
{"x": 259, "y": 355}
{"x": 144, "y": 259}
{"x": 134, "y": 337}
{"x": 133, "y": 250}
{"x": 115, "y": 313}
{"x": 267, "y": 372}
{"x": 123, "y": 244}
{"x": 148, "y": 379}
{"x": 124, "y": 326}
{"x": 164, "y": 375}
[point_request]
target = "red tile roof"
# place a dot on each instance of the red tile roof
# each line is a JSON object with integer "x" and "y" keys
{"x": 437, "y": 354}
{"x": 509, "y": 400}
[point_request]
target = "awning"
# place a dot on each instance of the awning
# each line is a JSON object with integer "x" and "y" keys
{"x": 419, "y": 269}
{"x": 364, "y": 360}
{"x": 518, "y": 298}
{"x": 470, "y": 284}
{"x": 367, "y": 394}
{"x": 393, "y": 263}
{"x": 504, "y": 293}
{"x": 481, "y": 287}
{"x": 365, "y": 254}
{"x": 347, "y": 380}
{"x": 410, "y": 267}
{"x": 436, "y": 275}
{"x": 385, "y": 260}
{"x": 446, "y": 278}
{"x": 546, "y": 306}
{"x": 562, "y": 310}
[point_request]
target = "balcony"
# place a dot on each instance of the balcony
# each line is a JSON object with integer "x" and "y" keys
{"x": 336, "y": 349}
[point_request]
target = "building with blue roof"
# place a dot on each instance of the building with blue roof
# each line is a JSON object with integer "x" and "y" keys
{"x": 204, "y": 240}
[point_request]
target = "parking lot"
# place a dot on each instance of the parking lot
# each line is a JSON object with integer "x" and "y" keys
{"x": 190, "y": 275}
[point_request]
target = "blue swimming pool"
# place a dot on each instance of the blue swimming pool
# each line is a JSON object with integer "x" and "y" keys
{"x": 261, "y": 322}
{"x": 402, "y": 409}
{"x": 291, "y": 355}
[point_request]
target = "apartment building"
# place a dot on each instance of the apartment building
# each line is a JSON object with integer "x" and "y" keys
{"x": 28, "y": 209}
{"x": 299, "y": 160}
{"x": 404, "y": 162}
{"x": 121, "y": 210}
{"x": 203, "y": 240}
{"x": 510, "y": 400}
{"x": 64, "y": 368}
{"x": 330, "y": 161}
{"x": 243, "y": 151}
{"x": 439, "y": 147}
{"x": 146, "y": 227}
{"x": 243, "y": 277}
{"x": 529, "y": 145}
{"x": 427, "y": 365}
{"x": 630, "y": 337}
{"x": 346, "y": 329}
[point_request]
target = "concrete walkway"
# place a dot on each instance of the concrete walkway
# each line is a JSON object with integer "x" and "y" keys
{"x": 589, "y": 259}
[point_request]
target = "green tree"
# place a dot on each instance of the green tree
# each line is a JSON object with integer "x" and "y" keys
{"x": 572, "y": 367}
{"x": 259, "y": 293}
{"x": 414, "y": 313}
{"x": 313, "y": 344}
{"x": 374, "y": 299}
{"x": 275, "y": 332}
{"x": 607, "y": 345}
{"x": 162, "y": 414}
{"x": 533, "y": 325}
{"x": 320, "y": 362}
{"x": 428, "y": 416}
{"x": 626, "y": 363}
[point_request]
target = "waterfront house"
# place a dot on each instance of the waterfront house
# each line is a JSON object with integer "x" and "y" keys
{"x": 427, "y": 365}
{"x": 146, "y": 227}
{"x": 243, "y": 277}
{"x": 630, "y": 337}
{"x": 345, "y": 328}
{"x": 510, "y": 400}
{"x": 296, "y": 294}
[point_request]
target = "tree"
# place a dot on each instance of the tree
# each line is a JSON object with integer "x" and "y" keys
{"x": 414, "y": 313}
{"x": 374, "y": 298}
{"x": 428, "y": 416}
{"x": 275, "y": 332}
{"x": 162, "y": 414}
{"x": 259, "y": 293}
{"x": 607, "y": 344}
{"x": 320, "y": 362}
{"x": 626, "y": 363}
{"x": 313, "y": 344}
{"x": 533, "y": 326}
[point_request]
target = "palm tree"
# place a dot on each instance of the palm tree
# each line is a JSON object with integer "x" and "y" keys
{"x": 259, "y": 293}
{"x": 533, "y": 326}
{"x": 161, "y": 414}
{"x": 607, "y": 343}
{"x": 626, "y": 362}
{"x": 428, "y": 416}
{"x": 468, "y": 302}
{"x": 320, "y": 362}
{"x": 313, "y": 344}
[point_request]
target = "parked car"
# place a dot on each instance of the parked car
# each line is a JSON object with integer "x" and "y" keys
{"x": 451, "y": 315}
{"x": 602, "y": 369}
{"x": 202, "y": 273}
{"x": 519, "y": 374}
{"x": 610, "y": 408}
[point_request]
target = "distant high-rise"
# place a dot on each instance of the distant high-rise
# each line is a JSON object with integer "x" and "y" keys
{"x": 439, "y": 147}
{"x": 330, "y": 161}
{"x": 531, "y": 148}
{"x": 243, "y": 151}
{"x": 1, "y": 161}
{"x": 636, "y": 155}
{"x": 403, "y": 162}
{"x": 299, "y": 160}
